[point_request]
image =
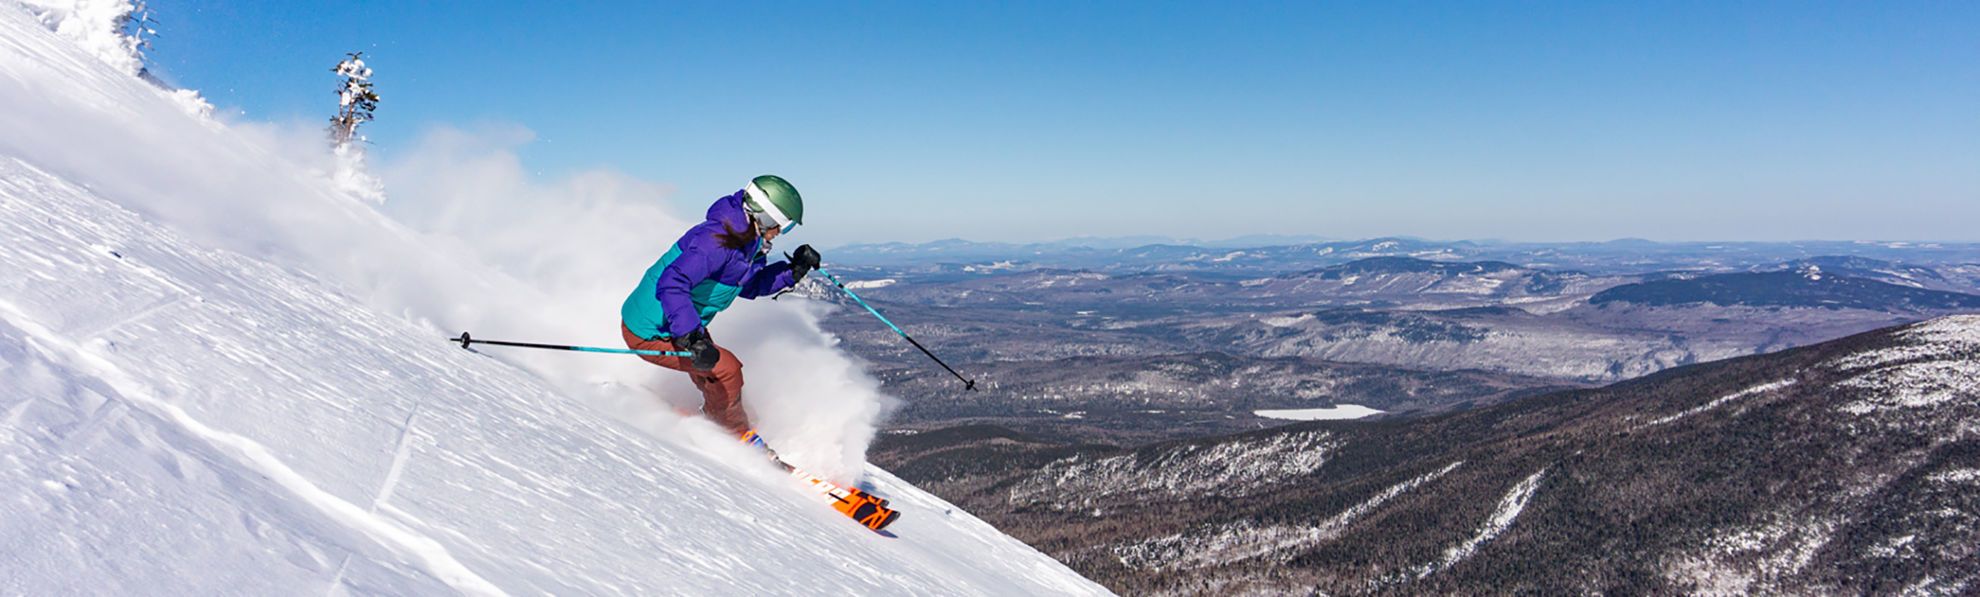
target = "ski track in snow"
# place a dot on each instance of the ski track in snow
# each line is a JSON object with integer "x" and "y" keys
{"x": 183, "y": 419}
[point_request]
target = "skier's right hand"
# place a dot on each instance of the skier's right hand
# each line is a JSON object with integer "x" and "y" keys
{"x": 703, "y": 347}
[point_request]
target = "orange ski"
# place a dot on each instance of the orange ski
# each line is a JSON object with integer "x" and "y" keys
{"x": 865, "y": 508}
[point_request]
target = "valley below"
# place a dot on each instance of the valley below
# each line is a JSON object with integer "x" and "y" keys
{"x": 1710, "y": 424}
{"x": 1115, "y": 346}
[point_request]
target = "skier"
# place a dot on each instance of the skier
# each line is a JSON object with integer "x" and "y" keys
{"x": 713, "y": 263}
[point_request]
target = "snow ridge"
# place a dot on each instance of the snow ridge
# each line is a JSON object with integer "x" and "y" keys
{"x": 1937, "y": 364}
{"x": 1718, "y": 402}
{"x": 1509, "y": 508}
{"x": 1244, "y": 540}
{"x": 1228, "y": 468}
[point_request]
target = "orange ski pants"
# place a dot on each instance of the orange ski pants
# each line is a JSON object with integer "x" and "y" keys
{"x": 721, "y": 387}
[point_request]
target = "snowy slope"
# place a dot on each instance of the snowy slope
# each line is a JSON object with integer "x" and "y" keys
{"x": 182, "y": 416}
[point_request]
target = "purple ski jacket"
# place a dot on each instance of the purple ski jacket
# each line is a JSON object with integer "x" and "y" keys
{"x": 698, "y": 277}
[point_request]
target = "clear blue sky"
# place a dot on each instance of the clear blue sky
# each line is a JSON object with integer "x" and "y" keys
{"x": 1028, "y": 121}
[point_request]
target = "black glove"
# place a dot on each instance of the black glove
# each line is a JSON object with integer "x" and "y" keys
{"x": 802, "y": 262}
{"x": 705, "y": 352}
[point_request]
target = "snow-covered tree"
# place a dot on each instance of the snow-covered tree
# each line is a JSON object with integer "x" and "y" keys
{"x": 355, "y": 99}
{"x": 138, "y": 27}
{"x": 355, "y": 103}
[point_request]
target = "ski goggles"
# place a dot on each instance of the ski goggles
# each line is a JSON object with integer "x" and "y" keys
{"x": 764, "y": 223}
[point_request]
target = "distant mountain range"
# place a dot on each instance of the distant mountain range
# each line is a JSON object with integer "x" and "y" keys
{"x": 1428, "y": 314}
{"x": 1282, "y": 255}
{"x": 1882, "y": 271}
{"x": 1848, "y": 467}
{"x": 1807, "y": 288}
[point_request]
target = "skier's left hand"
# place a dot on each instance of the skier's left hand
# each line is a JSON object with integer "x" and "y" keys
{"x": 803, "y": 261}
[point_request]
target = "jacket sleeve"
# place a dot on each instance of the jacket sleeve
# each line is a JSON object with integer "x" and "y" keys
{"x": 770, "y": 280}
{"x": 676, "y": 286}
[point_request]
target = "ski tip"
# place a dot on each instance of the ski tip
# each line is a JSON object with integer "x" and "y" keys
{"x": 868, "y": 512}
{"x": 876, "y": 517}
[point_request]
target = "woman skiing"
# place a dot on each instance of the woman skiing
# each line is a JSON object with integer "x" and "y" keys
{"x": 713, "y": 263}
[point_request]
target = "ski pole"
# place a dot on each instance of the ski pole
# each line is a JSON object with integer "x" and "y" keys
{"x": 465, "y": 340}
{"x": 967, "y": 383}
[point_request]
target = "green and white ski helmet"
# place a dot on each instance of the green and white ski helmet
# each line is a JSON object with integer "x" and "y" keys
{"x": 773, "y": 199}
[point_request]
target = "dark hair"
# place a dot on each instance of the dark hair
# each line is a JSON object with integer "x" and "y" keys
{"x": 730, "y": 238}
